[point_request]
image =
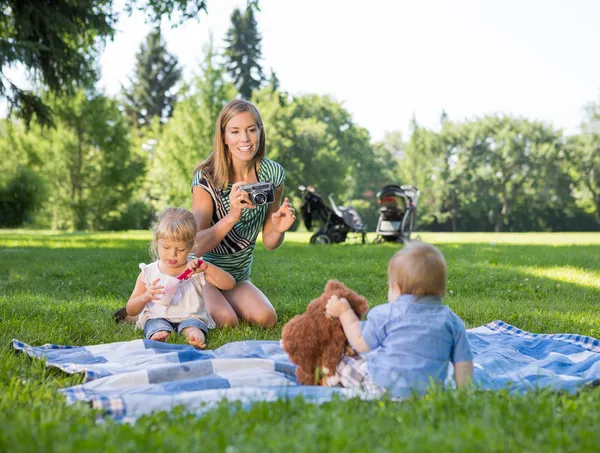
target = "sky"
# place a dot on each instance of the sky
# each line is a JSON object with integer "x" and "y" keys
{"x": 389, "y": 60}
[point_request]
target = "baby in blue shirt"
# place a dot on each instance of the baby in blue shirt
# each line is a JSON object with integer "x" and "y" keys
{"x": 409, "y": 341}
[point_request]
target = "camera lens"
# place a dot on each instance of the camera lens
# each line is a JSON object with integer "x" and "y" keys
{"x": 260, "y": 198}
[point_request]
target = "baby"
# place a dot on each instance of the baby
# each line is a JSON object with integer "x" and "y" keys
{"x": 413, "y": 338}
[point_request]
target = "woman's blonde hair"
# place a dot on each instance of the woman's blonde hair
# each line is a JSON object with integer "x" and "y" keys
{"x": 177, "y": 224}
{"x": 418, "y": 269}
{"x": 217, "y": 166}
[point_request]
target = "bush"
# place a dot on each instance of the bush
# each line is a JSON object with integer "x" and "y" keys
{"x": 21, "y": 195}
{"x": 137, "y": 215}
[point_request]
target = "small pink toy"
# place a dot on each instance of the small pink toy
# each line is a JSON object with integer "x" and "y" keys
{"x": 186, "y": 274}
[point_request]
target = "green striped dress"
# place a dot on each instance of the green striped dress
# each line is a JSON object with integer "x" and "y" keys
{"x": 234, "y": 252}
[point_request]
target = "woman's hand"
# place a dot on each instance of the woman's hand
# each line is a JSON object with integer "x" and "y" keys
{"x": 285, "y": 216}
{"x": 336, "y": 306}
{"x": 239, "y": 200}
{"x": 197, "y": 265}
{"x": 153, "y": 292}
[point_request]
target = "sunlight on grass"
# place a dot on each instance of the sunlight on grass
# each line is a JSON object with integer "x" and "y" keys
{"x": 568, "y": 274}
{"x": 511, "y": 238}
{"x": 75, "y": 240}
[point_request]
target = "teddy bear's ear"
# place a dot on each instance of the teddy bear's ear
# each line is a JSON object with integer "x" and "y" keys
{"x": 359, "y": 303}
{"x": 333, "y": 286}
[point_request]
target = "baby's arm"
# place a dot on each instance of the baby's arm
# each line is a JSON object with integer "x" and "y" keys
{"x": 340, "y": 308}
{"x": 142, "y": 296}
{"x": 463, "y": 373}
{"x": 213, "y": 274}
{"x": 462, "y": 355}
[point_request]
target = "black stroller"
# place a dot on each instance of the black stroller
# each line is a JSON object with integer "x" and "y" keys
{"x": 397, "y": 213}
{"x": 335, "y": 222}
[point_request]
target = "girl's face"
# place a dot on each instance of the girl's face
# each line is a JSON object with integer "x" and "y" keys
{"x": 242, "y": 136}
{"x": 173, "y": 254}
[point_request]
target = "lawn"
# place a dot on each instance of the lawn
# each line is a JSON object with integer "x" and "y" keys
{"x": 62, "y": 288}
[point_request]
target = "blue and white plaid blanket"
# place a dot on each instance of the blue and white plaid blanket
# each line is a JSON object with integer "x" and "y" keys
{"x": 129, "y": 379}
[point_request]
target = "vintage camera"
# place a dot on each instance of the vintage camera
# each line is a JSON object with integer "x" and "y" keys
{"x": 260, "y": 192}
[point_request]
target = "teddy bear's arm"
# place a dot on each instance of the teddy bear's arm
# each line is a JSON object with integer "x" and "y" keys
{"x": 334, "y": 352}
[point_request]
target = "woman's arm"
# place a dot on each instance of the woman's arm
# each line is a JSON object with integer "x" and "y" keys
{"x": 142, "y": 296}
{"x": 208, "y": 237}
{"x": 218, "y": 277}
{"x": 213, "y": 274}
{"x": 278, "y": 220}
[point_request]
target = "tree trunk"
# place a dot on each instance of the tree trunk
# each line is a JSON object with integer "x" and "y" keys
{"x": 503, "y": 213}
{"x": 80, "y": 212}
{"x": 499, "y": 223}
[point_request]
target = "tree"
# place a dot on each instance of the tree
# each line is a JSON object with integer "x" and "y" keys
{"x": 86, "y": 159}
{"x": 151, "y": 92}
{"x": 243, "y": 52}
{"x": 315, "y": 140}
{"x": 509, "y": 157}
{"x": 57, "y": 43}
{"x": 583, "y": 154}
{"x": 187, "y": 138}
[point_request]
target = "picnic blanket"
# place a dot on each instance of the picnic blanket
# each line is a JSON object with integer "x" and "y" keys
{"x": 128, "y": 379}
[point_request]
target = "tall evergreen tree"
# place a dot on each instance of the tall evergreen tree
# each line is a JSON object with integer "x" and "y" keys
{"x": 243, "y": 52}
{"x": 151, "y": 93}
{"x": 58, "y": 42}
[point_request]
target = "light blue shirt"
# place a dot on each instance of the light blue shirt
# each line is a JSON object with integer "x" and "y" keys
{"x": 412, "y": 341}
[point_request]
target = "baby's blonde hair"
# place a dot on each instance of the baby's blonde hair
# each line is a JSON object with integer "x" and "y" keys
{"x": 418, "y": 269}
{"x": 177, "y": 224}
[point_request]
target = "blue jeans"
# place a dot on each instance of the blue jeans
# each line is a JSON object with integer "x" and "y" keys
{"x": 157, "y": 324}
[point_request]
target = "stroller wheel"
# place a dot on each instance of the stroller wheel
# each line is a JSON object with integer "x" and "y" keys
{"x": 320, "y": 237}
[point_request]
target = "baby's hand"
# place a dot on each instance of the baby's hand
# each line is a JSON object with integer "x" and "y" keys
{"x": 153, "y": 292}
{"x": 197, "y": 265}
{"x": 336, "y": 306}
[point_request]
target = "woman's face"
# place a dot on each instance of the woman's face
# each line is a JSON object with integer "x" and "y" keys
{"x": 242, "y": 136}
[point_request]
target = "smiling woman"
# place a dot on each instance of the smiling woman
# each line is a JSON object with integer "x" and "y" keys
{"x": 228, "y": 218}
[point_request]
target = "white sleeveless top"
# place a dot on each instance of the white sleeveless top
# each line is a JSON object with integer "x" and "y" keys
{"x": 187, "y": 302}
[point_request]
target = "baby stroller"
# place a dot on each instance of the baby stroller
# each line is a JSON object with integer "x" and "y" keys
{"x": 397, "y": 213}
{"x": 335, "y": 222}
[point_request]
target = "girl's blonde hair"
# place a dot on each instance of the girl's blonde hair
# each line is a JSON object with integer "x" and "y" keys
{"x": 177, "y": 224}
{"x": 217, "y": 167}
{"x": 418, "y": 269}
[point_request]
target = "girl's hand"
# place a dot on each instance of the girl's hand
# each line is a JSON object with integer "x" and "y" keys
{"x": 285, "y": 216}
{"x": 336, "y": 306}
{"x": 239, "y": 200}
{"x": 153, "y": 292}
{"x": 197, "y": 265}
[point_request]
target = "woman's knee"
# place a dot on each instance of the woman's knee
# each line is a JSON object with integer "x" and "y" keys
{"x": 267, "y": 317}
{"x": 225, "y": 318}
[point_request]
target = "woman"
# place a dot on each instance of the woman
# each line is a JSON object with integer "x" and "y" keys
{"x": 227, "y": 219}
{"x": 228, "y": 222}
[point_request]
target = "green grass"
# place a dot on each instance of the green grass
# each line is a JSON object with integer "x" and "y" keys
{"x": 62, "y": 288}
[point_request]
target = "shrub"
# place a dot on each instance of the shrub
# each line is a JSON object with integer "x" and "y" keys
{"x": 20, "y": 196}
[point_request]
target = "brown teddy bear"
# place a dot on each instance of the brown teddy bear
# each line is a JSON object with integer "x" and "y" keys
{"x": 315, "y": 342}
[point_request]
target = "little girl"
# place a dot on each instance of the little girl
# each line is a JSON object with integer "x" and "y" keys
{"x": 174, "y": 238}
